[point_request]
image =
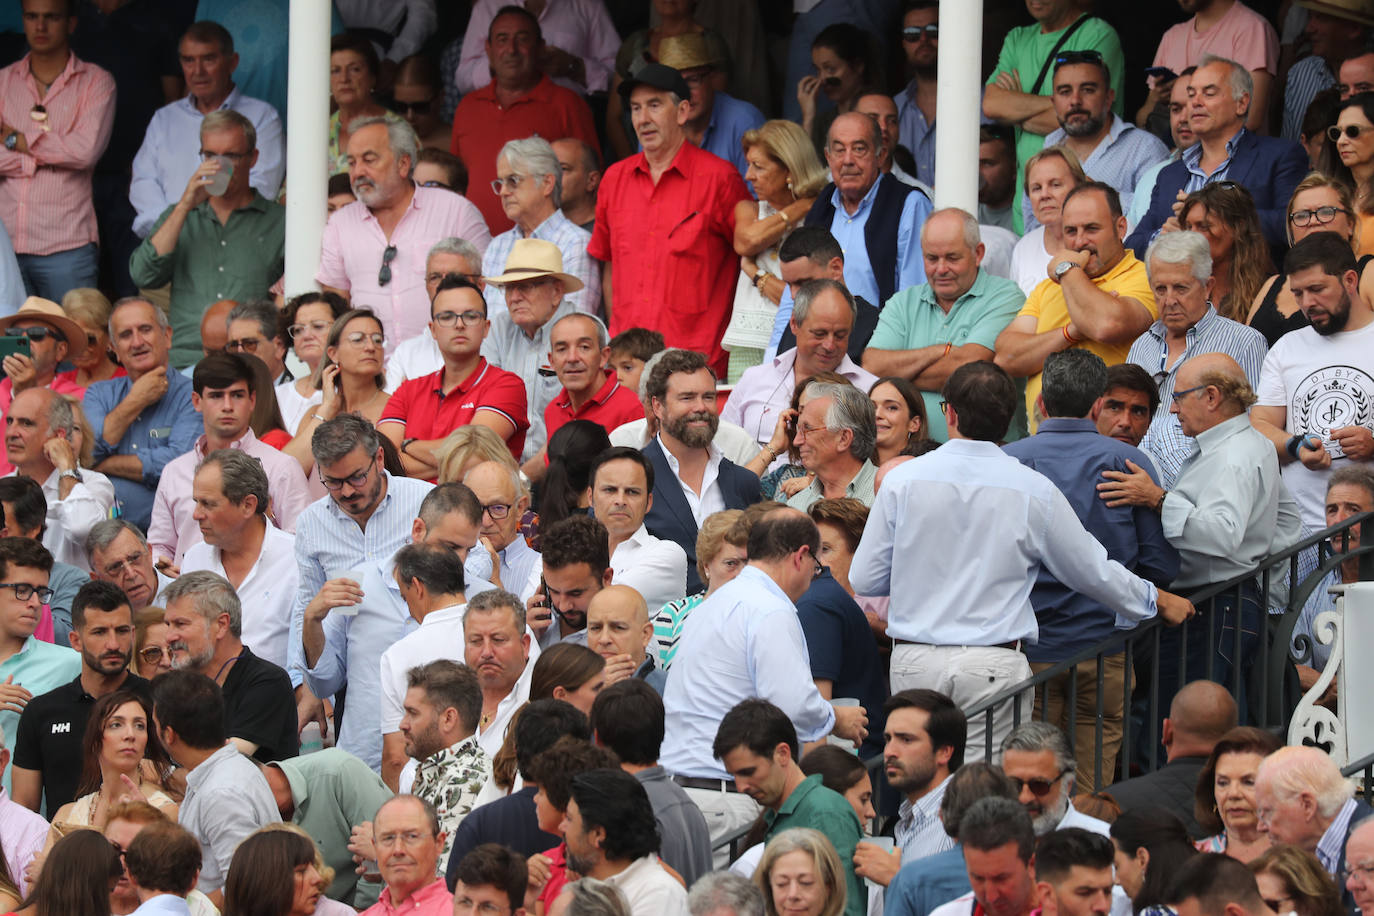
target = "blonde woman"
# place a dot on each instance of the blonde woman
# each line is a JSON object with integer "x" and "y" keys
{"x": 800, "y": 874}
{"x": 1049, "y": 177}
{"x": 90, "y": 309}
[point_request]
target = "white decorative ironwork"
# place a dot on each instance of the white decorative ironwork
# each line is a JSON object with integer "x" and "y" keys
{"x": 1348, "y": 733}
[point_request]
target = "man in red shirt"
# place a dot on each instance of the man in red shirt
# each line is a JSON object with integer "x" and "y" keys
{"x": 579, "y": 351}
{"x": 467, "y": 390}
{"x": 665, "y": 223}
{"x": 520, "y": 101}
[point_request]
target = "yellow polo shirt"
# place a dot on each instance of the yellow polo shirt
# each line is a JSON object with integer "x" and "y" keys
{"x": 1046, "y": 305}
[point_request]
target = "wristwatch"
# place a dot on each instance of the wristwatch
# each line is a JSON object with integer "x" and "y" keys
{"x": 72, "y": 473}
{"x": 12, "y": 140}
{"x": 1062, "y": 268}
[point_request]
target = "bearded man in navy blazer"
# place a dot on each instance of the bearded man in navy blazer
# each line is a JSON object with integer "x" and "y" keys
{"x": 691, "y": 478}
{"x": 1219, "y": 94}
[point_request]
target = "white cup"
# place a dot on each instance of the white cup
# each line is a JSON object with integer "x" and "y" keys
{"x": 219, "y": 182}
{"x": 835, "y": 739}
{"x": 885, "y": 843}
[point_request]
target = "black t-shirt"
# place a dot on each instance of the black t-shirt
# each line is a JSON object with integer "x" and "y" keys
{"x": 50, "y": 732}
{"x": 260, "y": 706}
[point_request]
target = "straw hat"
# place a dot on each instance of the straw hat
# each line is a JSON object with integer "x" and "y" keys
{"x": 531, "y": 259}
{"x": 50, "y": 313}
{"x": 686, "y": 52}
{"x": 1361, "y": 11}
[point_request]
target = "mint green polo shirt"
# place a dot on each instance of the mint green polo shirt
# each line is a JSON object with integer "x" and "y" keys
{"x": 813, "y": 805}
{"x": 38, "y": 667}
{"x": 912, "y": 319}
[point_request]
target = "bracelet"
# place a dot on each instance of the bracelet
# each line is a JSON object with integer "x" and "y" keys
{"x": 405, "y": 444}
{"x": 1294, "y": 444}
{"x": 1159, "y": 505}
{"x": 772, "y": 453}
{"x": 948, "y": 347}
{"x": 1069, "y": 337}
{"x": 785, "y": 220}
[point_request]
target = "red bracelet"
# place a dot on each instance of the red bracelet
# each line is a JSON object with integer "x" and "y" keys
{"x": 1069, "y": 337}
{"x": 948, "y": 347}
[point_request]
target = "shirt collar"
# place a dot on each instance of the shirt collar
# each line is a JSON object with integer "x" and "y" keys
{"x": 713, "y": 455}
{"x": 927, "y": 805}
{"x": 1067, "y": 425}
{"x": 679, "y": 164}
{"x": 229, "y": 100}
{"x": 417, "y": 900}
{"x": 837, "y": 201}
{"x": 381, "y": 506}
{"x": 452, "y": 612}
{"x": 603, "y": 395}
{"x": 925, "y": 294}
{"x": 1192, "y": 156}
{"x": 799, "y": 794}
{"x": 467, "y": 384}
{"x": 449, "y": 755}
{"x": 246, "y": 439}
{"x": 1211, "y": 439}
{"x": 1158, "y": 331}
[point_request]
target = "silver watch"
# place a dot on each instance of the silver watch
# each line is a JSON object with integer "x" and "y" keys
{"x": 1062, "y": 268}
{"x": 72, "y": 473}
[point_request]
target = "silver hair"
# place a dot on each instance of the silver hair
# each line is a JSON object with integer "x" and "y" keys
{"x": 161, "y": 316}
{"x": 535, "y": 158}
{"x": 240, "y": 476}
{"x": 849, "y": 409}
{"x": 724, "y": 891}
{"x": 61, "y": 415}
{"x": 1183, "y": 247}
{"x": 603, "y": 337}
{"x": 808, "y": 291}
{"x": 461, "y": 248}
{"x": 593, "y": 897}
{"x": 229, "y": 119}
{"x": 263, "y": 311}
{"x": 1041, "y": 736}
{"x": 211, "y": 594}
{"x": 1295, "y": 769}
{"x": 103, "y": 534}
{"x": 973, "y": 236}
{"x": 498, "y": 599}
{"x": 400, "y": 136}
{"x": 1242, "y": 83}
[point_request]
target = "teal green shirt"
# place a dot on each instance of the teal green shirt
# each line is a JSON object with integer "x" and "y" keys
{"x": 813, "y": 805}
{"x": 238, "y": 260}
{"x": 1025, "y": 50}
{"x": 38, "y": 667}
{"x": 912, "y": 320}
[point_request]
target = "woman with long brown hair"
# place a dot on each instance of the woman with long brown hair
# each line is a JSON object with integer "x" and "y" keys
{"x": 1224, "y": 213}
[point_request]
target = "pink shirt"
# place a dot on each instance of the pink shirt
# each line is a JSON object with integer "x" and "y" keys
{"x": 173, "y": 530}
{"x": 1242, "y": 35}
{"x": 431, "y": 900}
{"x": 351, "y": 256}
{"x": 583, "y": 28}
{"x": 49, "y": 210}
{"x": 22, "y": 834}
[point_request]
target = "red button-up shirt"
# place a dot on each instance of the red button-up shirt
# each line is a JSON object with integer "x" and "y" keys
{"x": 421, "y": 406}
{"x": 613, "y": 405}
{"x": 672, "y": 247}
{"x": 481, "y": 127}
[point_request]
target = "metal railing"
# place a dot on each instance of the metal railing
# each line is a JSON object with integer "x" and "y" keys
{"x": 1267, "y": 681}
{"x": 1364, "y": 769}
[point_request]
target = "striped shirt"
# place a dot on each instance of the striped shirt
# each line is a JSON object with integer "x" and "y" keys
{"x": 1333, "y": 840}
{"x": 1165, "y": 441}
{"x": 919, "y": 831}
{"x": 1305, "y": 79}
{"x": 1192, "y": 160}
{"x": 48, "y": 209}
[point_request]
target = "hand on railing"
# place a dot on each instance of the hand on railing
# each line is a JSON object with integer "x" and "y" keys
{"x": 851, "y": 723}
{"x": 1174, "y": 608}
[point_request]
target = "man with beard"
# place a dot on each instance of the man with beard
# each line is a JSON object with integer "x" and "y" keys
{"x": 48, "y": 743}
{"x": 371, "y": 250}
{"x": 916, "y": 103}
{"x": 1038, "y": 760}
{"x": 924, "y": 745}
{"x": 204, "y": 625}
{"x": 692, "y": 480}
{"x": 1111, "y": 150}
{"x": 576, "y": 566}
{"x": 1316, "y": 389}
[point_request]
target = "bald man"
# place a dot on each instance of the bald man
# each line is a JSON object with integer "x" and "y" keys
{"x": 619, "y": 630}
{"x": 214, "y": 328}
{"x": 1228, "y": 510}
{"x": 1200, "y": 714}
{"x": 1359, "y": 861}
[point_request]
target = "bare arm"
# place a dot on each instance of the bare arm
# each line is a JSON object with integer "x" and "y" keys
{"x": 534, "y": 468}
{"x": 927, "y": 367}
{"x": 1031, "y": 112}
{"x": 130, "y": 467}
{"x": 246, "y": 748}
{"x": 26, "y": 787}
{"x": 1259, "y": 100}
{"x": 393, "y": 758}
{"x": 1100, "y": 315}
{"x": 1021, "y": 350}
{"x": 753, "y": 234}
{"x": 1271, "y": 421}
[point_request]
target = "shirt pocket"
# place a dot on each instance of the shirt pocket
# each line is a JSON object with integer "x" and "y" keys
{"x": 687, "y": 242}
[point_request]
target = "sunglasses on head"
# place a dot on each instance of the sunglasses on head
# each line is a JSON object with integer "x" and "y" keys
{"x": 1078, "y": 57}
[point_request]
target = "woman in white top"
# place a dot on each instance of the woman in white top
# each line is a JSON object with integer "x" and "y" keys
{"x": 307, "y": 319}
{"x": 1050, "y": 175}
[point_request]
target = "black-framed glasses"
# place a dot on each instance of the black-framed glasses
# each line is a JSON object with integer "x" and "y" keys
{"x": 943, "y": 405}
{"x": 1180, "y": 395}
{"x": 1352, "y": 131}
{"x": 410, "y": 108}
{"x": 354, "y": 481}
{"x": 36, "y": 334}
{"x": 317, "y": 328}
{"x": 450, "y": 319}
{"x": 1086, "y": 56}
{"x": 915, "y": 32}
{"x": 1038, "y": 787}
{"x": 510, "y": 182}
{"x": 92, "y": 340}
{"x": 1322, "y": 215}
{"x": 384, "y": 275}
{"x": 817, "y": 570}
{"x": 497, "y": 511}
{"x": 151, "y": 654}
{"x": 436, "y": 278}
{"x": 244, "y": 345}
{"x": 23, "y": 591}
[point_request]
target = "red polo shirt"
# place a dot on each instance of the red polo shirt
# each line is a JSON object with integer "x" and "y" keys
{"x": 481, "y": 127}
{"x": 613, "y": 405}
{"x": 427, "y": 413}
{"x": 671, "y": 247}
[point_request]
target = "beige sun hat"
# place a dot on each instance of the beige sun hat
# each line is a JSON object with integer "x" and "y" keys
{"x": 50, "y": 313}
{"x": 686, "y": 52}
{"x": 531, "y": 259}
{"x": 1361, "y": 11}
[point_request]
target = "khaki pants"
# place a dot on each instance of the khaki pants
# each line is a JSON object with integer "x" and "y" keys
{"x": 1056, "y": 693}
{"x": 967, "y": 675}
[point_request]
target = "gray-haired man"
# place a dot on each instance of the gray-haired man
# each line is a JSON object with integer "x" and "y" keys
{"x": 204, "y": 626}
{"x": 836, "y": 436}
{"x": 252, "y": 328}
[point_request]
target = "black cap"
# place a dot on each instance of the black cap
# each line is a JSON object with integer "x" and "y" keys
{"x": 660, "y": 77}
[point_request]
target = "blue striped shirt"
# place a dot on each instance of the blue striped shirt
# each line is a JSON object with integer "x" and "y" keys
{"x": 1192, "y": 160}
{"x": 1305, "y": 79}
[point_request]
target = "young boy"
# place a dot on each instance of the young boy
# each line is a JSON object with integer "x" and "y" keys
{"x": 630, "y": 350}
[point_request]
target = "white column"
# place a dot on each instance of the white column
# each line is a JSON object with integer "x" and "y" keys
{"x": 958, "y": 104}
{"x": 307, "y": 133}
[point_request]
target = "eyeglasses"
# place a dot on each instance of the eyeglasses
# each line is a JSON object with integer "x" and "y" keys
{"x": 497, "y": 511}
{"x": 409, "y": 838}
{"x": 914, "y": 32}
{"x": 24, "y": 591}
{"x": 450, "y": 319}
{"x": 510, "y": 183}
{"x": 1038, "y": 787}
{"x": 1079, "y": 57}
{"x": 358, "y": 338}
{"x": 1365, "y": 873}
{"x": 92, "y": 340}
{"x": 1180, "y": 395}
{"x": 151, "y": 654}
{"x": 410, "y": 108}
{"x": 435, "y": 183}
{"x": 943, "y": 405}
{"x": 129, "y": 563}
{"x": 206, "y": 156}
{"x": 1277, "y": 904}
{"x": 244, "y": 345}
{"x": 1352, "y": 131}
{"x": 36, "y": 334}
{"x": 1322, "y": 215}
{"x": 818, "y": 570}
{"x": 317, "y": 328}
{"x": 354, "y": 481}
{"x": 384, "y": 275}
{"x": 435, "y": 278}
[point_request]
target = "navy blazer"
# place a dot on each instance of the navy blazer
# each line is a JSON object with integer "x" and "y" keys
{"x": 1269, "y": 168}
{"x": 671, "y": 519}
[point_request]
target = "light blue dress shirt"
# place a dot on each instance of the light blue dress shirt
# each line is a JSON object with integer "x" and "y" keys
{"x": 849, "y": 232}
{"x": 163, "y": 431}
{"x": 975, "y": 590}
{"x": 916, "y": 133}
{"x": 743, "y": 641}
{"x": 731, "y": 118}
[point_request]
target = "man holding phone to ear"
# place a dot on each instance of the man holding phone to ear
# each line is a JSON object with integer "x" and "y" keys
{"x": 36, "y": 339}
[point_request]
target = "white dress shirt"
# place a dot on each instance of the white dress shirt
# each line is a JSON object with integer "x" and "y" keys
{"x": 520, "y": 566}
{"x": 710, "y": 500}
{"x": 649, "y": 889}
{"x": 743, "y": 641}
{"x": 170, "y": 154}
{"x": 266, "y": 592}
{"x": 655, "y": 568}
{"x": 975, "y": 590}
{"x": 764, "y": 391}
{"x": 71, "y": 519}
{"x": 734, "y": 443}
{"x": 414, "y": 357}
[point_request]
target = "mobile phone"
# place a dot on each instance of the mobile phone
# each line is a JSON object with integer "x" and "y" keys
{"x": 1161, "y": 74}
{"x": 9, "y": 346}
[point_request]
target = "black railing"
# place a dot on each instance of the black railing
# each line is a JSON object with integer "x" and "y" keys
{"x": 1364, "y": 768}
{"x": 1267, "y": 680}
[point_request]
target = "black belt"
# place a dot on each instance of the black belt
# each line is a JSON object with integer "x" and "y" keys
{"x": 713, "y": 785}
{"x": 1013, "y": 645}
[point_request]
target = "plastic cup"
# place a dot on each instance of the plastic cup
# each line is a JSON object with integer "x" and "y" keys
{"x": 219, "y": 182}
{"x": 885, "y": 843}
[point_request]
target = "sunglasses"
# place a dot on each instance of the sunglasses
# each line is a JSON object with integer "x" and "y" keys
{"x": 35, "y": 334}
{"x": 384, "y": 275}
{"x": 915, "y": 32}
{"x": 1352, "y": 131}
{"x": 151, "y": 654}
{"x": 1078, "y": 57}
{"x": 1038, "y": 787}
{"x": 405, "y": 108}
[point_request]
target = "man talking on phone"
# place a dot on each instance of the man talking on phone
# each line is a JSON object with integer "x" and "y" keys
{"x": 36, "y": 339}
{"x": 577, "y": 565}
